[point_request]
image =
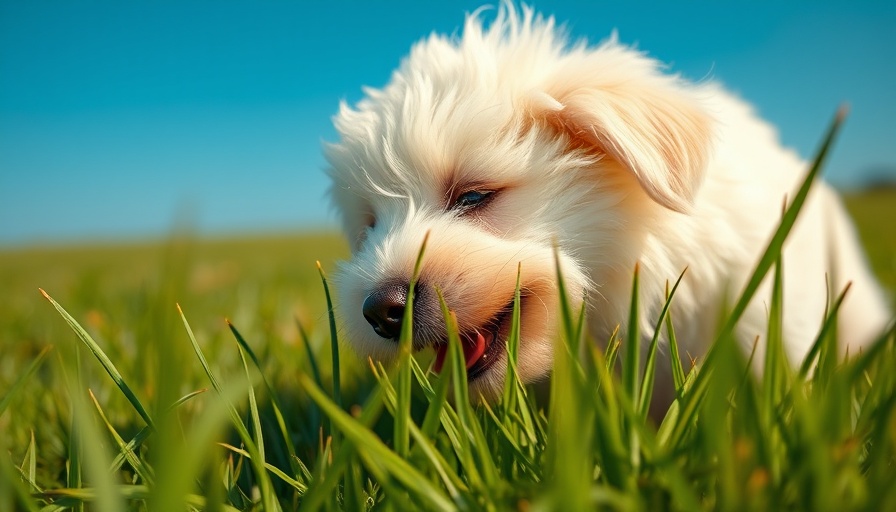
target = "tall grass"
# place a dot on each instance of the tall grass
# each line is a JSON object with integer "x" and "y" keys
{"x": 230, "y": 433}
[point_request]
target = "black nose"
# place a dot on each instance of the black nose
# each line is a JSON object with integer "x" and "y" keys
{"x": 384, "y": 310}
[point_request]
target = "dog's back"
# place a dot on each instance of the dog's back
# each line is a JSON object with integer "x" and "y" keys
{"x": 748, "y": 180}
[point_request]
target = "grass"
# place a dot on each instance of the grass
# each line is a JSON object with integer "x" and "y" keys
{"x": 206, "y": 375}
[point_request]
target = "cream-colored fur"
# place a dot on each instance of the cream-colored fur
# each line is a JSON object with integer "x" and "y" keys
{"x": 595, "y": 149}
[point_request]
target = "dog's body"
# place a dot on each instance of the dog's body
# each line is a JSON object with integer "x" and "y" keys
{"x": 506, "y": 142}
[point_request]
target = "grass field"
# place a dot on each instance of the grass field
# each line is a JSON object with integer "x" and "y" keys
{"x": 731, "y": 443}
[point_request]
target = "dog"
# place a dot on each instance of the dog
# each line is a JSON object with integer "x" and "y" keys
{"x": 507, "y": 141}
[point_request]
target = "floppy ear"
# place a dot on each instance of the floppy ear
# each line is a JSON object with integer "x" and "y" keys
{"x": 650, "y": 126}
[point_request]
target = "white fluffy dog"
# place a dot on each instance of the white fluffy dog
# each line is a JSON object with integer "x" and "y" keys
{"x": 506, "y": 141}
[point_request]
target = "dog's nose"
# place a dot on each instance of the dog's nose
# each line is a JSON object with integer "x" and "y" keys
{"x": 384, "y": 309}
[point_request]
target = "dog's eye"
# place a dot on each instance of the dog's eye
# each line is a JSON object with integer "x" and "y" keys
{"x": 471, "y": 199}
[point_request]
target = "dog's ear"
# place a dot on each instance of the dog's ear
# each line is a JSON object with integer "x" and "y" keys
{"x": 653, "y": 129}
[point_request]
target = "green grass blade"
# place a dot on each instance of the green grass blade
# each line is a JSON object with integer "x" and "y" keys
{"x": 771, "y": 254}
{"x": 257, "y": 461}
{"x": 256, "y": 420}
{"x": 678, "y": 373}
{"x": 140, "y": 468}
{"x": 631, "y": 364}
{"x": 334, "y": 344}
{"x": 180, "y": 466}
{"x": 568, "y": 459}
{"x": 96, "y": 462}
{"x": 405, "y": 344}
{"x": 30, "y": 462}
{"x": 870, "y": 354}
{"x": 454, "y": 368}
{"x": 322, "y": 489}
{"x": 612, "y": 349}
{"x": 776, "y": 365}
{"x": 518, "y": 452}
{"x": 208, "y": 371}
{"x": 309, "y": 352}
{"x": 135, "y": 493}
{"x": 478, "y": 459}
{"x": 609, "y": 437}
{"x": 775, "y": 246}
{"x": 23, "y": 376}
{"x": 19, "y": 498}
{"x": 292, "y": 482}
{"x": 103, "y": 359}
{"x": 377, "y": 455}
{"x": 282, "y": 422}
{"x": 423, "y": 444}
{"x": 632, "y": 347}
{"x": 75, "y": 444}
{"x": 512, "y": 384}
{"x": 826, "y": 333}
{"x": 145, "y": 432}
{"x": 646, "y": 392}
{"x": 436, "y": 406}
{"x": 568, "y": 323}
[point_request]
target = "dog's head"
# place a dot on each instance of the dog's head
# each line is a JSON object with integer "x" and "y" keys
{"x": 501, "y": 145}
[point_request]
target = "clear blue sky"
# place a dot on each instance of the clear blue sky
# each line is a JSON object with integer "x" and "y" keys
{"x": 118, "y": 118}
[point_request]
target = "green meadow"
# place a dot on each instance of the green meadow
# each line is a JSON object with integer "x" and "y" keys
{"x": 202, "y": 374}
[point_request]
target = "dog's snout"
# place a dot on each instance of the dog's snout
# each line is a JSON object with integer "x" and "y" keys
{"x": 384, "y": 309}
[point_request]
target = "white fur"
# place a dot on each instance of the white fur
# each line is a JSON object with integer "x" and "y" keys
{"x": 599, "y": 151}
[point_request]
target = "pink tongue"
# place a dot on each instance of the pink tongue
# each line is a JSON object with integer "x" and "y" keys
{"x": 473, "y": 347}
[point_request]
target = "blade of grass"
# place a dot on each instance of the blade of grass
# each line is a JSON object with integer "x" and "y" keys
{"x": 774, "y": 376}
{"x": 512, "y": 384}
{"x": 75, "y": 445}
{"x": 376, "y": 454}
{"x": 449, "y": 478}
{"x": 631, "y": 365}
{"x": 827, "y": 328}
{"x": 257, "y": 460}
{"x": 678, "y": 373}
{"x": 296, "y": 464}
{"x": 31, "y": 463}
{"x": 334, "y": 345}
{"x": 568, "y": 454}
{"x": 142, "y": 470}
{"x": 23, "y": 376}
{"x": 475, "y": 449}
{"x": 870, "y": 354}
{"x": 650, "y": 366}
{"x": 609, "y": 437}
{"x": 436, "y": 405}
{"x": 612, "y": 350}
{"x": 292, "y": 482}
{"x": 438, "y": 413}
{"x": 144, "y": 433}
{"x": 137, "y": 493}
{"x": 103, "y": 359}
{"x": 89, "y": 440}
{"x": 253, "y": 415}
{"x": 322, "y": 489}
{"x": 309, "y": 352}
{"x": 181, "y": 463}
{"x": 772, "y": 251}
{"x": 632, "y": 346}
{"x": 519, "y": 453}
{"x": 405, "y": 343}
{"x": 775, "y": 366}
{"x": 8, "y": 472}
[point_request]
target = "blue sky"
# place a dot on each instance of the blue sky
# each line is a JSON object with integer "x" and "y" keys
{"x": 120, "y": 119}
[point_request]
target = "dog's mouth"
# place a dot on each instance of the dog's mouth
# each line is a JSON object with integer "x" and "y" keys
{"x": 482, "y": 346}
